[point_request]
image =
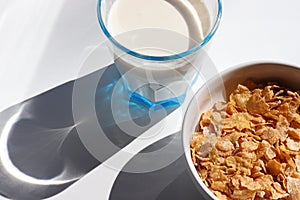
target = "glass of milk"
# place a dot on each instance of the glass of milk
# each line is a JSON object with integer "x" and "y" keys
{"x": 157, "y": 44}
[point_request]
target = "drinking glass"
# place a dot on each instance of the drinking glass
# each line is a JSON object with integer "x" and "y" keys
{"x": 170, "y": 61}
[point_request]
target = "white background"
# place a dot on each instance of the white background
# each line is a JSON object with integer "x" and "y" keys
{"x": 43, "y": 43}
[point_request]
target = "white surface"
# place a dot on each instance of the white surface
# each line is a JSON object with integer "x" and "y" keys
{"x": 44, "y": 42}
{"x": 100, "y": 181}
{"x": 254, "y": 30}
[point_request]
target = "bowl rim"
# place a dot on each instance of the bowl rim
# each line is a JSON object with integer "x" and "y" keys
{"x": 222, "y": 74}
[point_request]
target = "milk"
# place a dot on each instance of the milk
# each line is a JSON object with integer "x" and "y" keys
{"x": 181, "y": 16}
{"x": 157, "y": 28}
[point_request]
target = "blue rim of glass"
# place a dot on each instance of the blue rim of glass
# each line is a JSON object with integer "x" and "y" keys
{"x": 161, "y": 58}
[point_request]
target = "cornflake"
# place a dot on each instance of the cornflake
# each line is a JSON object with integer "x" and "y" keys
{"x": 249, "y": 147}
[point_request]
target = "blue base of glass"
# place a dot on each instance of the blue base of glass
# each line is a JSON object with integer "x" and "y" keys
{"x": 176, "y": 101}
{"x": 141, "y": 100}
{"x": 138, "y": 98}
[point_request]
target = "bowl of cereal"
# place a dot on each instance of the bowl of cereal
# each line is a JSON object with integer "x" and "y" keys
{"x": 241, "y": 133}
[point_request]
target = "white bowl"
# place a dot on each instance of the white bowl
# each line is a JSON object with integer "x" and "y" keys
{"x": 219, "y": 88}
